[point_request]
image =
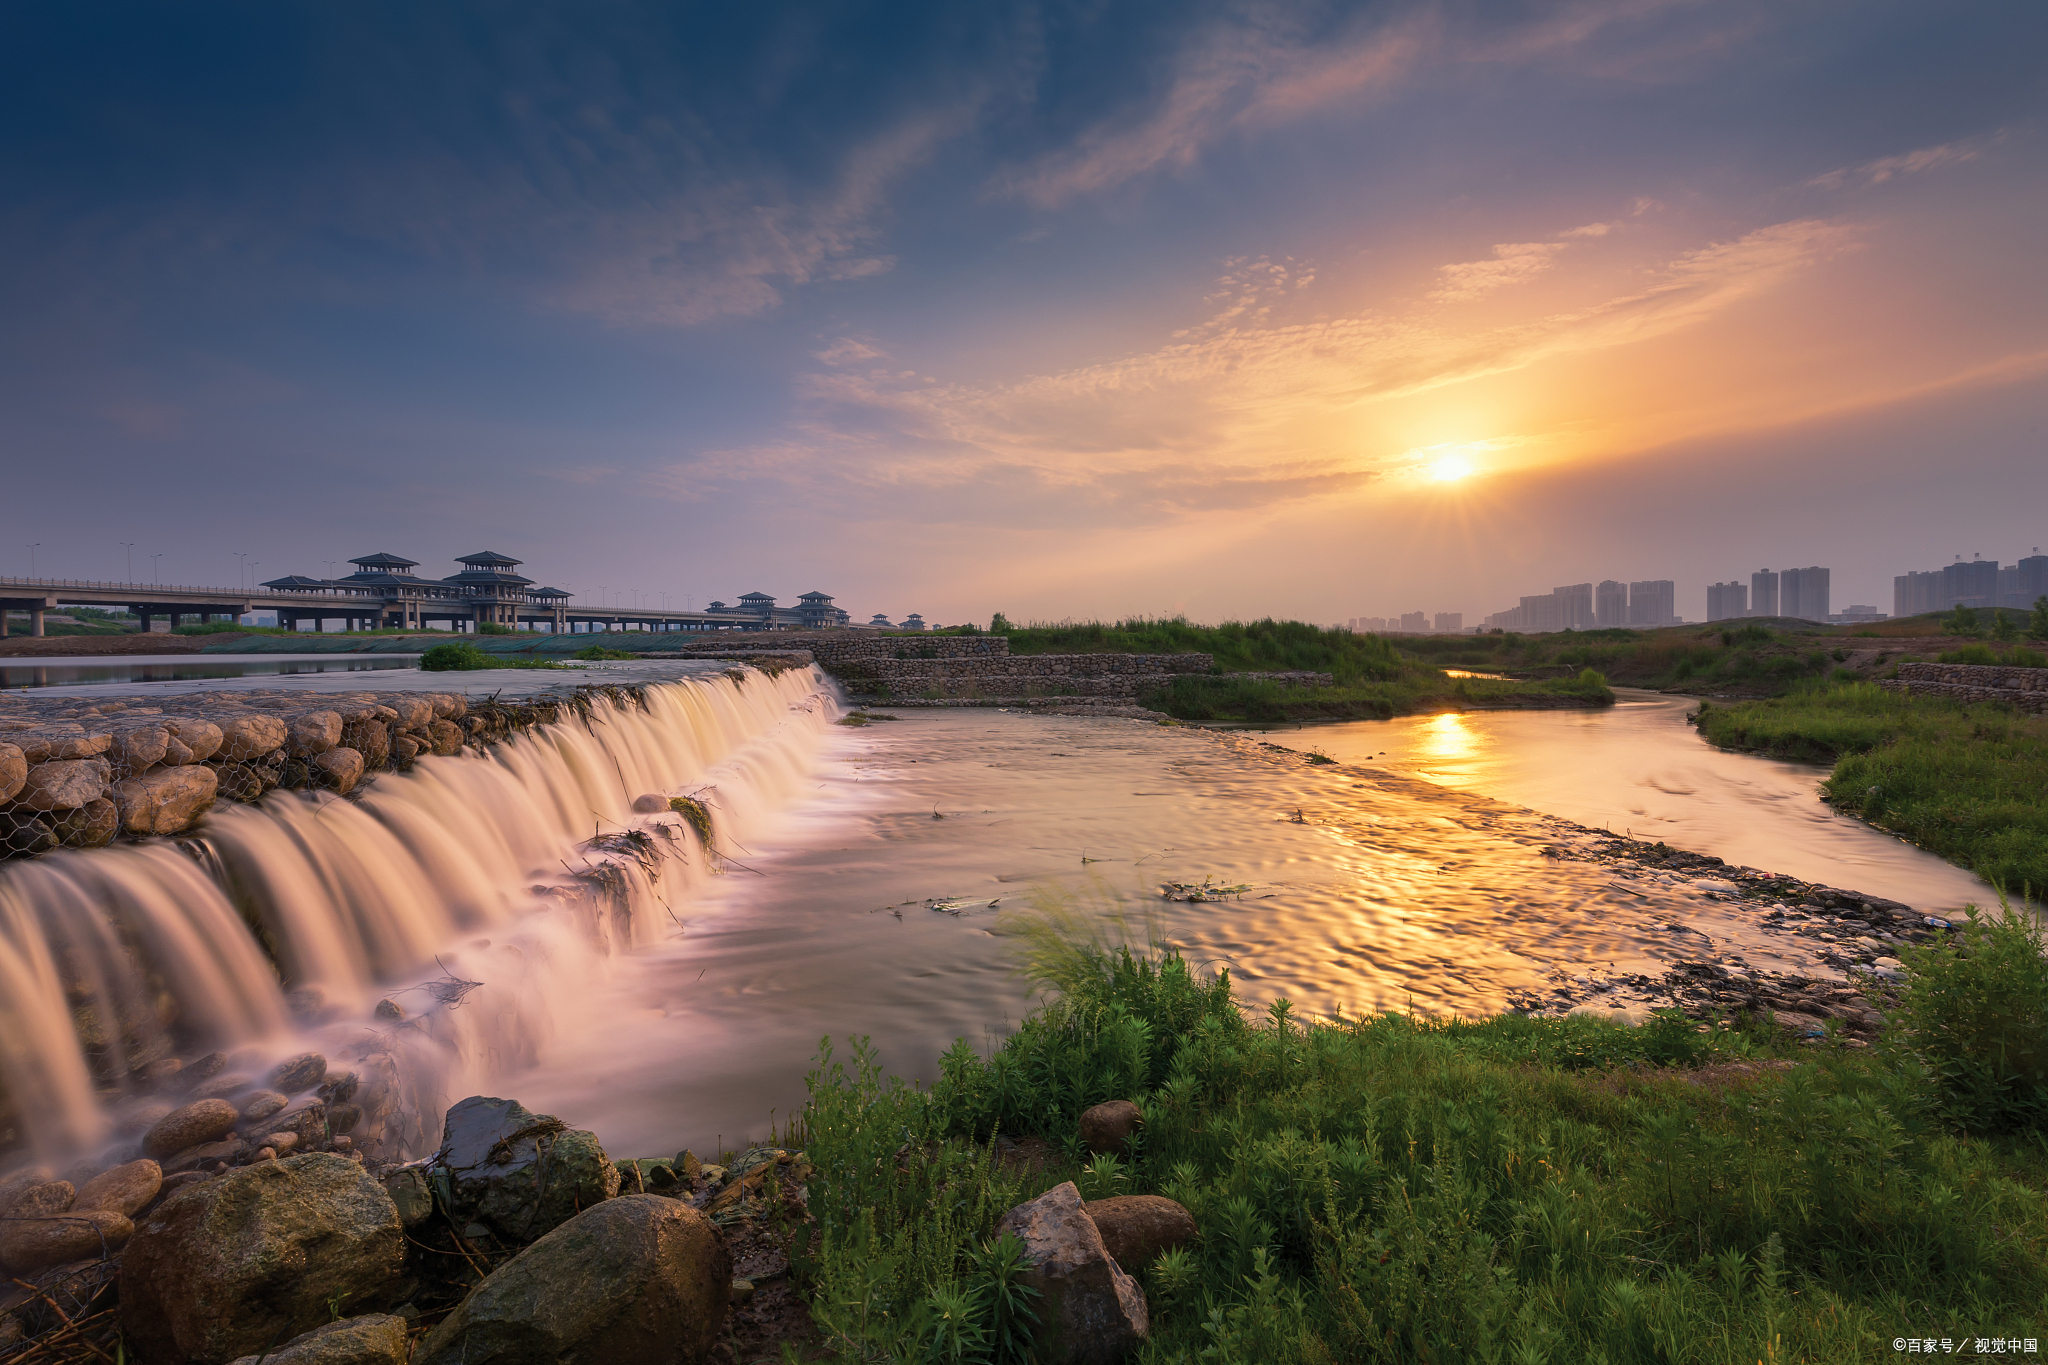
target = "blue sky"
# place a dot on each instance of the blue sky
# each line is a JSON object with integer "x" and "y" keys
{"x": 1059, "y": 310}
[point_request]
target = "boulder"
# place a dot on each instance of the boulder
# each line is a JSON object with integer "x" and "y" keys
{"x": 369, "y": 737}
{"x": 24, "y": 832}
{"x": 641, "y": 1280}
{"x": 302, "y": 1072}
{"x": 447, "y": 705}
{"x": 410, "y": 1194}
{"x": 519, "y": 1173}
{"x": 261, "y": 1105}
{"x": 13, "y": 770}
{"x": 124, "y": 1190}
{"x": 1092, "y": 1312}
{"x": 202, "y": 737}
{"x": 92, "y": 825}
{"x": 167, "y": 801}
{"x": 62, "y": 784}
{"x": 44, "y": 1227}
{"x": 239, "y": 782}
{"x": 61, "y": 740}
{"x": 176, "y": 753}
{"x": 1792, "y": 1021}
{"x": 649, "y": 803}
{"x": 207, "y": 1156}
{"x": 445, "y": 736}
{"x": 247, "y": 737}
{"x": 1135, "y": 1228}
{"x": 415, "y": 712}
{"x": 1108, "y": 1127}
{"x": 230, "y": 1267}
{"x": 222, "y": 1087}
{"x": 207, "y": 1120}
{"x": 338, "y": 769}
{"x": 15, "y": 1184}
{"x": 373, "y": 1339}
{"x": 312, "y": 732}
{"x": 139, "y": 747}
{"x": 406, "y": 748}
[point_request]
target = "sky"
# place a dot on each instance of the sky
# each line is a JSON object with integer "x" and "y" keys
{"x": 1063, "y": 310}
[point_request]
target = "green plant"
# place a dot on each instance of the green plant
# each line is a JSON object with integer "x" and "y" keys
{"x": 493, "y": 628}
{"x": 1961, "y": 621}
{"x": 600, "y": 652}
{"x": 455, "y": 655}
{"x": 2037, "y": 620}
{"x": 1975, "y": 1014}
{"x": 2004, "y": 628}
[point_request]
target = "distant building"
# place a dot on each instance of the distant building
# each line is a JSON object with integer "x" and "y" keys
{"x": 1726, "y": 601}
{"x": 1857, "y": 615}
{"x": 1450, "y": 622}
{"x": 1803, "y": 593}
{"x": 1414, "y": 623}
{"x": 1652, "y": 602}
{"x": 1763, "y": 593}
{"x": 2029, "y": 582}
{"x": 881, "y": 622}
{"x": 1976, "y": 582}
{"x": 1575, "y": 606}
{"x": 1376, "y": 624}
{"x": 912, "y": 622}
{"x": 1610, "y": 603}
{"x": 1915, "y": 594}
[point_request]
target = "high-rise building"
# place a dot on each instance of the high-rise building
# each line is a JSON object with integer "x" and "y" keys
{"x": 1763, "y": 593}
{"x": 1803, "y": 593}
{"x": 1726, "y": 601}
{"x": 2029, "y": 581}
{"x": 1574, "y": 606}
{"x": 1652, "y": 603}
{"x": 1414, "y": 623}
{"x": 1914, "y": 594}
{"x": 1970, "y": 583}
{"x": 1450, "y": 622}
{"x": 1610, "y": 603}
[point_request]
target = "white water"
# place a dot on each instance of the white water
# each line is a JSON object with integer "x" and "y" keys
{"x": 464, "y": 869}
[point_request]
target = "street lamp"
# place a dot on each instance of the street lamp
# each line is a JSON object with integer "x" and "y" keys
{"x": 153, "y": 574}
{"x": 32, "y": 559}
{"x": 129, "y": 546}
{"x": 242, "y": 570}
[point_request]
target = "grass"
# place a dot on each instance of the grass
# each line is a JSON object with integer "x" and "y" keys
{"x": 1389, "y": 1188}
{"x": 461, "y": 656}
{"x": 1963, "y": 781}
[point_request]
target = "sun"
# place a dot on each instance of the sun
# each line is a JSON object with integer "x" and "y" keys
{"x": 1450, "y": 468}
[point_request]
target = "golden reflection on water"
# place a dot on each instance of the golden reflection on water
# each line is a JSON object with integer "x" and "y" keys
{"x": 1449, "y": 748}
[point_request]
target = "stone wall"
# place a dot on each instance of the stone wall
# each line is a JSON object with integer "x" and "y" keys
{"x": 80, "y": 772}
{"x": 2025, "y": 689}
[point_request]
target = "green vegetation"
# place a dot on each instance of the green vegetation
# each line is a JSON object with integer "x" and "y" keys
{"x": 2017, "y": 657}
{"x": 1265, "y": 646}
{"x": 600, "y": 652}
{"x": 1515, "y": 1190}
{"x": 226, "y": 628}
{"x": 461, "y": 655}
{"x": 1200, "y": 697}
{"x": 1964, "y": 781}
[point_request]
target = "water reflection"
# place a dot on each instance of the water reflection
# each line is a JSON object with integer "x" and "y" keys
{"x": 1448, "y": 741}
{"x": 146, "y": 668}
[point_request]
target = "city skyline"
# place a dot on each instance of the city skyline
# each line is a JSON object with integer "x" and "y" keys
{"x": 1042, "y": 308}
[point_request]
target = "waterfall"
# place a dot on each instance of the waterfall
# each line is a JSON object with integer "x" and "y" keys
{"x": 418, "y": 935}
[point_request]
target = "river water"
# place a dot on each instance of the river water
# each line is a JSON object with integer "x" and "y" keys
{"x": 164, "y": 668}
{"x": 1411, "y": 873}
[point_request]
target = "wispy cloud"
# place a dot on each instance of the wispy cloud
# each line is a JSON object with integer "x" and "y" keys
{"x": 1512, "y": 263}
{"x": 1906, "y": 163}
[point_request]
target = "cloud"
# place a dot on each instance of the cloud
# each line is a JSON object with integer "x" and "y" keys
{"x": 847, "y": 351}
{"x": 1512, "y": 263}
{"x": 1907, "y": 163}
{"x": 1589, "y": 230}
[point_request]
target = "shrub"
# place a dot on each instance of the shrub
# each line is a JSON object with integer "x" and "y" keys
{"x": 455, "y": 655}
{"x": 493, "y": 628}
{"x": 1975, "y": 1014}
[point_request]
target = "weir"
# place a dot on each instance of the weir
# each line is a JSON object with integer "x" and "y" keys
{"x": 418, "y": 936}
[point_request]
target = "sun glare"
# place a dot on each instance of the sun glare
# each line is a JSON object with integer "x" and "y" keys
{"x": 1450, "y": 468}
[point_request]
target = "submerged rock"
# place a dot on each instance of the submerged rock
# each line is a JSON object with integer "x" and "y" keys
{"x": 518, "y": 1172}
{"x": 373, "y": 1339}
{"x": 1092, "y": 1313}
{"x": 124, "y": 1189}
{"x": 640, "y": 1280}
{"x": 302, "y": 1072}
{"x": 45, "y": 1227}
{"x": 206, "y": 1120}
{"x": 230, "y": 1267}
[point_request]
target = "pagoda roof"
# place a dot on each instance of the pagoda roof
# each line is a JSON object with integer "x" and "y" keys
{"x": 481, "y": 577}
{"x": 815, "y": 597}
{"x": 299, "y": 580}
{"x": 386, "y": 561}
{"x": 490, "y": 557}
{"x": 755, "y": 597}
{"x": 550, "y": 593}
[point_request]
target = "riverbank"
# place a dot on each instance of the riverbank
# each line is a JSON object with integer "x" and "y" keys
{"x": 1963, "y": 780}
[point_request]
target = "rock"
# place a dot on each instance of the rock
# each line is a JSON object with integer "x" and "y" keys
{"x": 206, "y": 1120}
{"x": 125, "y": 1190}
{"x": 220, "y": 1087}
{"x": 1137, "y": 1227}
{"x": 230, "y": 1267}
{"x": 13, "y": 770}
{"x": 284, "y": 1144}
{"x": 312, "y": 732}
{"x": 415, "y": 712}
{"x": 176, "y": 753}
{"x": 1091, "y": 1311}
{"x": 343, "y": 1118}
{"x": 295, "y": 1074}
{"x": 371, "y": 738}
{"x": 143, "y": 1117}
{"x": 410, "y": 1194}
{"x": 18, "y": 1183}
{"x": 338, "y": 769}
{"x": 24, "y": 833}
{"x": 261, "y": 1105}
{"x": 445, "y": 736}
{"x": 46, "y": 1228}
{"x": 373, "y": 1339}
{"x": 1619, "y": 1015}
{"x": 741, "y": 1294}
{"x": 635, "y": 1281}
{"x": 139, "y": 748}
{"x": 390, "y": 1011}
{"x": 1792, "y": 1021}
{"x": 206, "y": 1156}
{"x": 59, "y": 741}
{"x": 92, "y": 825}
{"x": 309, "y": 1121}
{"x": 521, "y": 1173}
{"x": 202, "y": 1069}
{"x": 630, "y": 1179}
{"x": 405, "y": 749}
{"x": 1108, "y": 1127}
{"x": 447, "y": 705}
{"x": 62, "y": 784}
{"x": 239, "y": 782}
{"x": 167, "y": 801}
{"x": 250, "y": 736}
{"x": 650, "y": 803}
{"x": 202, "y": 737}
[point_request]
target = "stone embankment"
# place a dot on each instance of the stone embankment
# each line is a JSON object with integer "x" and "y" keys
{"x": 520, "y": 1240}
{"x": 2025, "y": 689}
{"x": 79, "y": 773}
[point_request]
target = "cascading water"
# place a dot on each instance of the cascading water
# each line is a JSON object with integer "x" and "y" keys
{"x": 416, "y": 935}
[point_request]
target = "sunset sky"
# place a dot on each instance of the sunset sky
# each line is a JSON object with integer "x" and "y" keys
{"x": 1062, "y": 310}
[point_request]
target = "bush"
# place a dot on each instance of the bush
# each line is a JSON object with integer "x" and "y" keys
{"x": 493, "y": 628}
{"x": 211, "y": 628}
{"x": 1975, "y": 1014}
{"x": 455, "y": 655}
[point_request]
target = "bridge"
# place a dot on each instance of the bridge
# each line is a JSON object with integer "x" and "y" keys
{"x": 360, "y": 610}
